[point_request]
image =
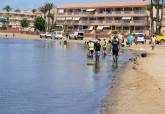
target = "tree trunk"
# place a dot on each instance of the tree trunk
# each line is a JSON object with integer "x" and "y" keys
{"x": 162, "y": 8}
{"x": 49, "y": 20}
{"x": 157, "y": 16}
{"x": 45, "y": 21}
{"x": 151, "y": 16}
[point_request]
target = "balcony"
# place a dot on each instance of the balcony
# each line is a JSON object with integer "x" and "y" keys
{"x": 106, "y": 14}
{"x": 127, "y": 12}
{"x": 103, "y": 22}
{"x": 139, "y": 23}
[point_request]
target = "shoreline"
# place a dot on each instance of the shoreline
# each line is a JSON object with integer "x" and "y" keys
{"x": 21, "y": 36}
{"x": 138, "y": 89}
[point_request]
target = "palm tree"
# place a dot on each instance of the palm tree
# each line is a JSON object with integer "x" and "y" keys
{"x": 151, "y": 16}
{"x": 157, "y": 15}
{"x": 162, "y": 8}
{"x": 44, "y": 11}
{"x": 49, "y": 7}
{"x": 34, "y": 10}
{"x": 7, "y": 8}
{"x": 159, "y": 6}
{"x": 52, "y": 17}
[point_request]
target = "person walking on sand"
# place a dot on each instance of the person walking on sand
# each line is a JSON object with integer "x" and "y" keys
{"x": 153, "y": 42}
{"x": 115, "y": 49}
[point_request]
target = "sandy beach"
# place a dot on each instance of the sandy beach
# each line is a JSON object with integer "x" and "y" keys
{"x": 140, "y": 88}
{"x": 19, "y": 36}
{"x": 35, "y": 37}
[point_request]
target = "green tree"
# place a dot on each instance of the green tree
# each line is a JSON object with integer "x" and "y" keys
{"x": 159, "y": 6}
{"x": 161, "y": 18}
{"x": 34, "y": 10}
{"x": 52, "y": 17}
{"x": 44, "y": 10}
{"x": 39, "y": 23}
{"x": 49, "y": 7}
{"x": 7, "y": 8}
{"x": 25, "y": 23}
{"x": 53, "y": 27}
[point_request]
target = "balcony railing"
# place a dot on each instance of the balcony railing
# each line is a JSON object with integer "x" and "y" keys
{"x": 105, "y": 13}
{"x": 101, "y": 22}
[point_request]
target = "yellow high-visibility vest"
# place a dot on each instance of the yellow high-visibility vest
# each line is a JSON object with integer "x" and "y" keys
{"x": 91, "y": 46}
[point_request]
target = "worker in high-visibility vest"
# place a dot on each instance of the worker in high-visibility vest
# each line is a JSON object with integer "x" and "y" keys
{"x": 91, "y": 47}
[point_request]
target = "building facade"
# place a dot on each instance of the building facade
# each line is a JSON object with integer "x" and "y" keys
{"x": 125, "y": 17}
{"x": 16, "y": 17}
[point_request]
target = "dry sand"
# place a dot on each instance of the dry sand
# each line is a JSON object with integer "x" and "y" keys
{"x": 19, "y": 36}
{"x": 34, "y": 37}
{"x": 140, "y": 89}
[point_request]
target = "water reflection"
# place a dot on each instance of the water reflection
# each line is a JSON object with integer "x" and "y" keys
{"x": 97, "y": 65}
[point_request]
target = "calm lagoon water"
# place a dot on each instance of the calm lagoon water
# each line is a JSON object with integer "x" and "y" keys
{"x": 45, "y": 77}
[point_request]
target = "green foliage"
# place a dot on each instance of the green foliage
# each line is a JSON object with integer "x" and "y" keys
{"x": 39, "y": 23}
{"x": 114, "y": 32}
{"x": 43, "y": 10}
{"x": 46, "y": 10}
{"x": 148, "y": 7}
{"x": 3, "y": 28}
{"x": 7, "y": 8}
{"x": 34, "y": 10}
{"x": 25, "y": 23}
{"x": 98, "y": 31}
{"x": 53, "y": 28}
{"x": 67, "y": 30}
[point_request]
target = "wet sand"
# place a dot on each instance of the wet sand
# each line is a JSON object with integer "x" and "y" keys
{"x": 140, "y": 88}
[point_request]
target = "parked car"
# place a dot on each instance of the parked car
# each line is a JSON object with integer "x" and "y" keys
{"x": 57, "y": 35}
{"x": 46, "y": 35}
{"x": 76, "y": 35}
{"x": 140, "y": 37}
{"x": 160, "y": 39}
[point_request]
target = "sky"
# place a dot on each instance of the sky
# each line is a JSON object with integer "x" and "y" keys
{"x": 31, "y": 4}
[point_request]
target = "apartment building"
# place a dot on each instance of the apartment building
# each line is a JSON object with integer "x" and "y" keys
{"x": 16, "y": 17}
{"x": 126, "y": 17}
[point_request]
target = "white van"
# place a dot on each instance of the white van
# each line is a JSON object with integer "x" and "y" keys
{"x": 76, "y": 35}
{"x": 57, "y": 35}
{"x": 140, "y": 37}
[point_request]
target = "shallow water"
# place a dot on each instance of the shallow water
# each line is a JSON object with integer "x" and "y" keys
{"x": 45, "y": 77}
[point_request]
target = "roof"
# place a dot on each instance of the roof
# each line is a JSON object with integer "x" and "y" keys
{"x": 20, "y": 13}
{"x": 105, "y": 5}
